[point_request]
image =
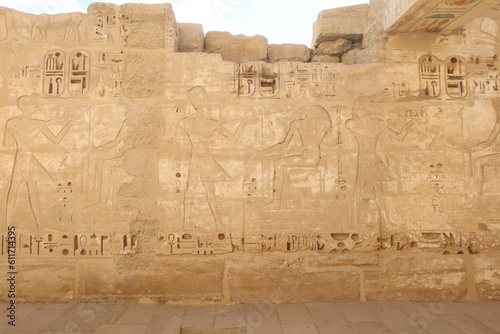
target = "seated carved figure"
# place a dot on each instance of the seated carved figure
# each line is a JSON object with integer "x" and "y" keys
{"x": 483, "y": 155}
{"x": 310, "y": 127}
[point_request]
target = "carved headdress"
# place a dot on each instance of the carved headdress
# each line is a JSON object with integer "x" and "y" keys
{"x": 26, "y": 101}
{"x": 197, "y": 94}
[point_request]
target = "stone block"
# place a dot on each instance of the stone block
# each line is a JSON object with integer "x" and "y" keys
{"x": 161, "y": 279}
{"x": 346, "y": 22}
{"x": 425, "y": 277}
{"x": 487, "y": 275}
{"x": 334, "y": 48}
{"x": 273, "y": 279}
{"x": 325, "y": 59}
{"x": 371, "y": 54}
{"x": 42, "y": 281}
{"x": 288, "y": 52}
{"x": 237, "y": 48}
{"x": 349, "y": 58}
{"x": 191, "y": 37}
{"x": 341, "y": 260}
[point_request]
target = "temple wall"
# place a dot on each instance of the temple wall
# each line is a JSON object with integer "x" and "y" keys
{"x": 131, "y": 171}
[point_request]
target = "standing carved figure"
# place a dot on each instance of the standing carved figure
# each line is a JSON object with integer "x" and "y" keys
{"x": 21, "y": 132}
{"x": 371, "y": 171}
{"x": 203, "y": 167}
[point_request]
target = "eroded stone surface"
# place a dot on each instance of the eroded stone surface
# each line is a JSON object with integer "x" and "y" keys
{"x": 288, "y": 52}
{"x": 487, "y": 276}
{"x": 401, "y": 277}
{"x": 349, "y": 58}
{"x": 131, "y": 278}
{"x": 237, "y": 48}
{"x": 286, "y": 280}
{"x": 345, "y": 22}
{"x": 191, "y": 37}
{"x": 326, "y": 59}
{"x": 334, "y": 48}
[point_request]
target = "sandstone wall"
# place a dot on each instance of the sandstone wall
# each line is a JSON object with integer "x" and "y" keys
{"x": 134, "y": 172}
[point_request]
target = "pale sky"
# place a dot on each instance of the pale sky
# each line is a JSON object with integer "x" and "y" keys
{"x": 281, "y": 21}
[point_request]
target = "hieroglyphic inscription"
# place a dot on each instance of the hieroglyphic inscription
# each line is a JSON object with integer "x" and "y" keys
{"x": 179, "y": 243}
{"x": 186, "y": 243}
{"x": 79, "y": 77}
{"x": 110, "y": 67}
{"x": 436, "y": 179}
{"x": 485, "y": 85}
{"x": 60, "y": 245}
{"x": 397, "y": 89}
{"x": 105, "y": 23}
{"x": 287, "y": 80}
{"x": 444, "y": 242}
{"x": 54, "y": 73}
{"x": 128, "y": 25}
{"x": 430, "y": 76}
{"x": 456, "y": 83}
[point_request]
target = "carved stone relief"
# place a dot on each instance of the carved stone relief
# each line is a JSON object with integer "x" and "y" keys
{"x": 129, "y": 24}
{"x": 307, "y": 163}
{"x": 430, "y": 76}
{"x": 54, "y": 73}
{"x": 287, "y": 80}
{"x": 116, "y": 146}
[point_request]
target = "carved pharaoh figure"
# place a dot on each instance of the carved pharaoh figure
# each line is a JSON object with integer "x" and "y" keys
{"x": 203, "y": 167}
{"x": 21, "y": 132}
{"x": 371, "y": 171}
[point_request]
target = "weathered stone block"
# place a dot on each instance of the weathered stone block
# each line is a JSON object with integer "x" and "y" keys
{"x": 424, "y": 277}
{"x": 41, "y": 280}
{"x": 349, "y": 58}
{"x": 371, "y": 54}
{"x": 144, "y": 76}
{"x": 339, "y": 260}
{"x": 325, "y": 59}
{"x": 346, "y": 22}
{"x": 288, "y": 52}
{"x": 159, "y": 278}
{"x": 237, "y": 48}
{"x": 487, "y": 274}
{"x": 271, "y": 279}
{"x": 334, "y": 48}
{"x": 191, "y": 37}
